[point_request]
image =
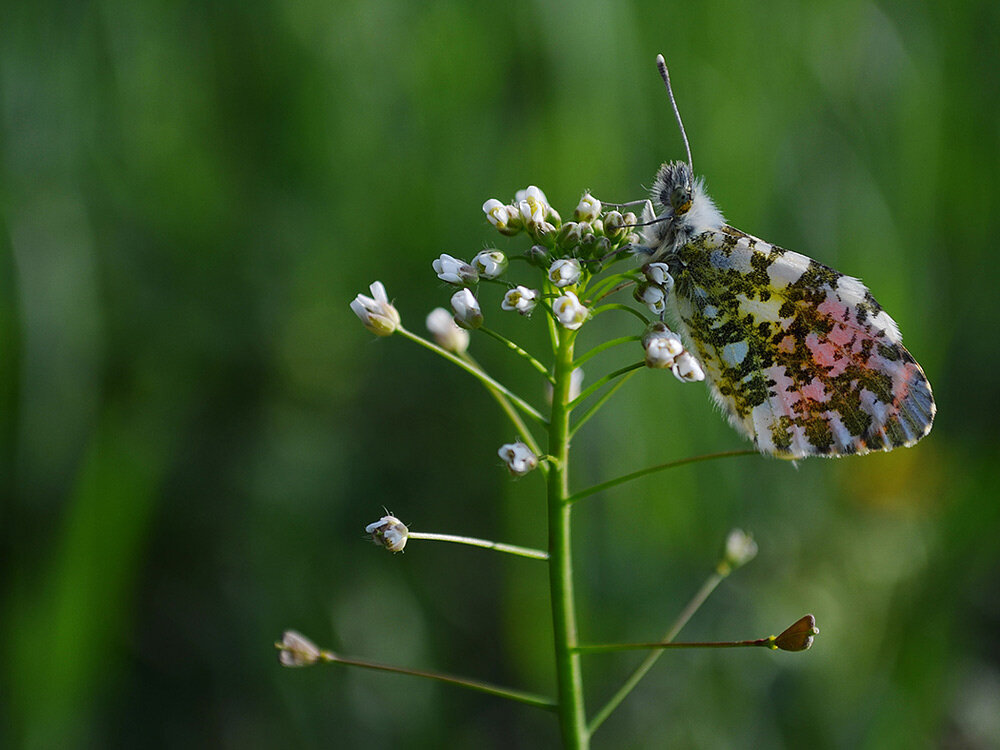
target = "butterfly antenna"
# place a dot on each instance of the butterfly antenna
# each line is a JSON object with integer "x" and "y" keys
{"x": 661, "y": 65}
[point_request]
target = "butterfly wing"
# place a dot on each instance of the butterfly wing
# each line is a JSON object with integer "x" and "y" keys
{"x": 802, "y": 359}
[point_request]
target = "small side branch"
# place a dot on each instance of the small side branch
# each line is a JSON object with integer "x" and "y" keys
{"x": 653, "y": 469}
{"x": 513, "y": 549}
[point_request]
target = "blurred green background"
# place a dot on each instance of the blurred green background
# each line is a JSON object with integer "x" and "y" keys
{"x": 195, "y": 429}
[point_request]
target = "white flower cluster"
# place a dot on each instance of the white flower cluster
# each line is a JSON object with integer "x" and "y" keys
{"x": 530, "y": 210}
{"x": 664, "y": 350}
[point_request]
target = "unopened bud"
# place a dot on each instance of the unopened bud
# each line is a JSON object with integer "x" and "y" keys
{"x": 389, "y": 532}
{"x": 295, "y": 650}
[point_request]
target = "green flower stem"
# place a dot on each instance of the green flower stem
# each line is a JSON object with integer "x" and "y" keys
{"x": 475, "y": 372}
{"x": 572, "y": 717}
{"x": 513, "y": 549}
{"x": 697, "y": 600}
{"x": 616, "y": 288}
{"x": 604, "y": 381}
{"x": 604, "y": 347}
{"x": 512, "y": 415}
{"x": 603, "y": 287}
{"x": 619, "y": 306}
{"x": 653, "y": 469}
{"x": 600, "y": 402}
{"x": 520, "y": 696}
{"x": 607, "y": 647}
{"x": 518, "y": 350}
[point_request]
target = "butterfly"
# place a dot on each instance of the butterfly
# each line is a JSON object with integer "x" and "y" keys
{"x": 801, "y": 358}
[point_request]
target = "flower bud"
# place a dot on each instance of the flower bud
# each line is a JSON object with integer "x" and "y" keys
{"x": 388, "y": 532}
{"x": 538, "y": 255}
{"x": 375, "y": 312}
{"x": 503, "y": 217}
{"x": 614, "y": 225}
{"x": 490, "y": 263}
{"x": 565, "y": 272}
{"x": 588, "y": 209}
{"x": 455, "y": 271}
{"x": 655, "y": 329}
{"x": 798, "y": 636}
{"x": 446, "y": 333}
{"x": 569, "y": 312}
{"x": 520, "y": 298}
{"x": 569, "y": 235}
{"x": 295, "y": 650}
{"x": 467, "y": 311}
{"x": 652, "y": 296}
{"x": 659, "y": 274}
{"x": 687, "y": 369}
{"x": 661, "y": 351}
{"x": 520, "y": 459}
{"x": 740, "y": 549}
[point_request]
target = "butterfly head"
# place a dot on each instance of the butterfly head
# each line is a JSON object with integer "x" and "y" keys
{"x": 682, "y": 209}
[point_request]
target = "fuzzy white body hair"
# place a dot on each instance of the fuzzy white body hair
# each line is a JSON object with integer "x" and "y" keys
{"x": 672, "y": 228}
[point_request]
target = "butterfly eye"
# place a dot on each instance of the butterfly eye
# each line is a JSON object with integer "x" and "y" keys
{"x": 680, "y": 199}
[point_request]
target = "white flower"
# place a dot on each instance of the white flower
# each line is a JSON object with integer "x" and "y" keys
{"x": 296, "y": 650}
{"x": 532, "y": 194}
{"x": 565, "y": 272}
{"x": 659, "y": 274}
{"x": 652, "y": 296}
{"x": 446, "y": 333}
{"x": 497, "y": 213}
{"x": 467, "y": 311}
{"x": 588, "y": 209}
{"x": 569, "y": 311}
{"x": 520, "y": 298}
{"x": 740, "y": 549}
{"x": 661, "y": 351}
{"x": 490, "y": 263}
{"x": 531, "y": 213}
{"x": 519, "y": 458}
{"x": 377, "y": 314}
{"x": 532, "y": 205}
{"x": 389, "y": 532}
{"x": 454, "y": 271}
{"x": 687, "y": 369}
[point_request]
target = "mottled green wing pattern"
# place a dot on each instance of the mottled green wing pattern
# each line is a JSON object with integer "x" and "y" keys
{"x": 802, "y": 358}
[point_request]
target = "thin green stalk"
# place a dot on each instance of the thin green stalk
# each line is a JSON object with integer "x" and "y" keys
{"x": 697, "y": 600}
{"x": 592, "y": 410}
{"x": 653, "y": 469}
{"x": 572, "y": 716}
{"x": 512, "y": 415}
{"x": 604, "y": 381}
{"x": 603, "y": 648}
{"x": 518, "y": 350}
{"x": 513, "y": 549}
{"x": 619, "y": 306}
{"x": 475, "y": 372}
{"x": 604, "y": 347}
{"x": 599, "y": 290}
{"x": 520, "y": 696}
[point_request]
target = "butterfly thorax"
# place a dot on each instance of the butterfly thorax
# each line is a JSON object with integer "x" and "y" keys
{"x": 682, "y": 210}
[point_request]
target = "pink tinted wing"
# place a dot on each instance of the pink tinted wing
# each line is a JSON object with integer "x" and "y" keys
{"x": 802, "y": 358}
